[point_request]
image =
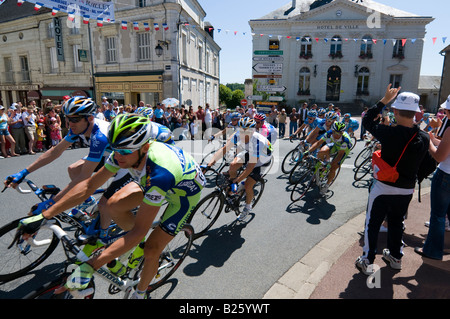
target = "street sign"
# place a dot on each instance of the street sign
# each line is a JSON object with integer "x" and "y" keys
{"x": 244, "y": 102}
{"x": 276, "y": 98}
{"x": 268, "y": 67}
{"x": 268, "y": 58}
{"x": 267, "y": 76}
{"x": 268, "y": 52}
{"x": 255, "y": 97}
{"x": 271, "y": 88}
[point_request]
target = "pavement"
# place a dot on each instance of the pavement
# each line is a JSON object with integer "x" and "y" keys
{"x": 328, "y": 270}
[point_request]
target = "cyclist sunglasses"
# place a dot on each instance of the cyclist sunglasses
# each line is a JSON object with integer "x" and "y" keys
{"x": 75, "y": 119}
{"x": 123, "y": 152}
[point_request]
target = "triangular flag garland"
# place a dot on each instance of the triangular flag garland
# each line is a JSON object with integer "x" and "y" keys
{"x": 165, "y": 26}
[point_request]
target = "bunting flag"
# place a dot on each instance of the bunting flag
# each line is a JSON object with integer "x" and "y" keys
{"x": 165, "y": 26}
{"x": 403, "y": 42}
{"x": 37, "y": 6}
{"x": 444, "y": 39}
{"x": 434, "y": 40}
{"x": 54, "y": 11}
{"x": 20, "y": 2}
{"x": 146, "y": 26}
{"x": 124, "y": 25}
{"x": 71, "y": 16}
{"x": 85, "y": 19}
{"x": 156, "y": 25}
{"x": 136, "y": 26}
{"x": 99, "y": 22}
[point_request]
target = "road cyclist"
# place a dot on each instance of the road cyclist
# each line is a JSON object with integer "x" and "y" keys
{"x": 310, "y": 124}
{"x": 254, "y": 151}
{"x": 160, "y": 132}
{"x": 351, "y": 126}
{"x": 161, "y": 172}
{"x": 334, "y": 143}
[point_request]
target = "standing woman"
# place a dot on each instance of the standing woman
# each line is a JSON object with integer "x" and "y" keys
{"x": 5, "y": 135}
{"x": 439, "y": 196}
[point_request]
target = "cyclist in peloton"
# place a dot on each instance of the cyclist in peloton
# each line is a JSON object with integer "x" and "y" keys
{"x": 160, "y": 132}
{"x": 161, "y": 172}
{"x": 252, "y": 149}
{"x": 266, "y": 129}
{"x": 324, "y": 125}
{"x": 337, "y": 142}
{"x": 79, "y": 113}
{"x": 310, "y": 124}
{"x": 230, "y": 129}
{"x": 351, "y": 124}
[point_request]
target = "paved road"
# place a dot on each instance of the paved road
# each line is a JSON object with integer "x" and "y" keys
{"x": 233, "y": 261}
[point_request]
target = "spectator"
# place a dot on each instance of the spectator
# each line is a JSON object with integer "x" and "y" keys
{"x": 158, "y": 114}
{"x": 419, "y": 115}
{"x": 29, "y": 121}
{"x": 99, "y": 115}
{"x": 293, "y": 117}
{"x": 282, "y": 123}
{"x": 51, "y": 112}
{"x": 17, "y": 129}
{"x": 363, "y": 129}
{"x": 200, "y": 114}
{"x": 272, "y": 117}
{"x": 5, "y": 135}
{"x": 439, "y": 196}
{"x": 391, "y": 199}
{"x": 40, "y": 133}
{"x": 208, "y": 122}
{"x": 55, "y": 132}
{"x": 192, "y": 119}
{"x": 109, "y": 112}
{"x": 302, "y": 115}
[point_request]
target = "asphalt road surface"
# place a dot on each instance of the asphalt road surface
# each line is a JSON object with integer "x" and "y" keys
{"x": 235, "y": 260}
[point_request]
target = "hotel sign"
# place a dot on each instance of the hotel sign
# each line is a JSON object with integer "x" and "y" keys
{"x": 58, "y": 39}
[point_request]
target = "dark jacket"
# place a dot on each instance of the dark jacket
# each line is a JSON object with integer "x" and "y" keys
{"x": 393, "y": 140}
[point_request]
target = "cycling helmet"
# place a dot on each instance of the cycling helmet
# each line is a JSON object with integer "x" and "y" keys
{"x": 312, "y": 113}
{"x": 79, "y": 106}
{"x": 235, "y": 115}
{"x": 129, "y": 131}
{"x": 259, "y": 116}
{"x": 426, "y": 115}
{"x": 347, "y": 115}
{"x": 330, "y": 115}
{"x": 322, "y": 111}
{"x": 338, "y": 127}
{"x": 247, "y": 122}
{"x": 139, "y": 110}
{"x": 148, "y": 112}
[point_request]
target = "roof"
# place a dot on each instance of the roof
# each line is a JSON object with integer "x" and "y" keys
{"x": 303, "y": 6}
{"x": 429, "y": 82}
{"x": 10, "y": 11}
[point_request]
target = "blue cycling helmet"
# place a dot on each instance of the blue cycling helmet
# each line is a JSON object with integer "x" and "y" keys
{"x": 331, "y": 115}
{"x": 312, "y": 113}
{"x": 247, "y": 122}
{"x": 322, "y": 111}
{"x": 79, "y": 106}
{"x": 235, "y": 115}
{"x": 347, "y": 115}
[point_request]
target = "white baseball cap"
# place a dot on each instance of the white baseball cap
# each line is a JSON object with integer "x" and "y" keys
{"x": 407, "y": 101}
{"x": 446, "y": 104}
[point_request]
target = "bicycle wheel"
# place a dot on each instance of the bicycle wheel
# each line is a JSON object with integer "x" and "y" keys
{"x": 364, "y": 169}
{"x": 299, "y": 171}
{"x": 206, "y": 213}
{"x": 354, "y": 140}
{"x": 47, "y": 291}
{"x": 217, "y": 165}
{"x": 363, "y": 155}
{"x": 291, "y": 158}
{"x": 22, "y": 258}
{"x": 172, "y": 256}
{"x": 301, "y": 188}
{"x": 258, "y": 189}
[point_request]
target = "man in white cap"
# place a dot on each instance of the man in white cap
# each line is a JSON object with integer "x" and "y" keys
{"x": 391, "y": 199}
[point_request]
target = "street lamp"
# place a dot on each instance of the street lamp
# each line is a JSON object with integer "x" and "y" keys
{"x": 159, "y": 49}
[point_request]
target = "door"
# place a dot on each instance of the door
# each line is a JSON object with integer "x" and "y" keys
{"x": 333, "y": 83}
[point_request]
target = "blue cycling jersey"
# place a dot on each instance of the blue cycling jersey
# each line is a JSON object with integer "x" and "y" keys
{"x": 97, "y": 141}
{"x": 353, "y": 124}
{"x": 162, "y": 133}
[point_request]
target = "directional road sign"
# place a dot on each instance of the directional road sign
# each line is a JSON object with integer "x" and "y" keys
{"x": 255, "y": 97}
{"x": 268, "y": 67}
{"x": 271, "y": 88}
{"x": 268, "y": 52}
{"x": 268, "y": 58}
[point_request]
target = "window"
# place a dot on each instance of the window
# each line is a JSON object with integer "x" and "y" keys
{"x": 274, "y": 44}
{"x": 395, "y": 80}
{"x": 184, "y": 48}
{"x": 50, "y": 30}
{"x": 144, "y": 48}
{"x": 77, "y": 65}
{"x": 305, "y": 48}
{"x": 9, "y": 73}
{"x": 208, "y": 61}
{"x": 200, "y": 56}
{"x": 399, "y": 50}
{"x": 336, "y": 47}
{"x": 304, "y": 83}
{"x": 366, "y": 48}
{"x": 142, "y": 3}
{"x": 24, "y": 70}
{"x": 111, "y": 51}
{"x": 53, "y": 60}
{"x": 363, "y": 81}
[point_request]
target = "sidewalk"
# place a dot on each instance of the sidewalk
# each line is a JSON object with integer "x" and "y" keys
{"x": 328, "y": 270}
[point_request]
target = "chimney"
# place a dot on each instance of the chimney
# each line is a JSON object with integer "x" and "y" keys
{"x": 294, "y": 4}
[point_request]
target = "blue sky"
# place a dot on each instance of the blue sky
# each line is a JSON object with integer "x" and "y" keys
{"x": 236, "y": 54}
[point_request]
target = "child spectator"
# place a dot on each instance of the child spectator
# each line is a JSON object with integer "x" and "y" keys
{"x": 55, "y": 132}
{"x": 40, "y": 132}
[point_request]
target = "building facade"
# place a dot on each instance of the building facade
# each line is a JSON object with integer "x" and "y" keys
{"x": 155, "y": 50}
{"x": 339, "y": 51}
{"x": 39, "y": 56}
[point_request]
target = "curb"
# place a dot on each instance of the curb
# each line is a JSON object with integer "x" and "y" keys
{"x": 300, "y": 281}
